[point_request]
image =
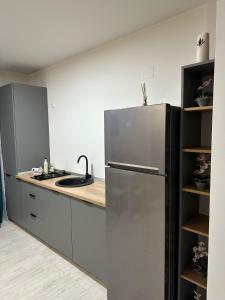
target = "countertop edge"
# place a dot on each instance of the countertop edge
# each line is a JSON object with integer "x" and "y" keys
{"x": 60, "y": 191}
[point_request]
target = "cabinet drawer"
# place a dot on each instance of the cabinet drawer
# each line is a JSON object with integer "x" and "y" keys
{"x": 33, "y": 199}
{"x": 49, "y": 217}
{"x": 34, "y": 224}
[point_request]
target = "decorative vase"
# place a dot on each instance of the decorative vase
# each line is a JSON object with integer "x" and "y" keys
{"x": 202, "y": 47}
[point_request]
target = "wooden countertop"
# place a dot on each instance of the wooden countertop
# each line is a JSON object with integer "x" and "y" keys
{"x": 94, "y": 193}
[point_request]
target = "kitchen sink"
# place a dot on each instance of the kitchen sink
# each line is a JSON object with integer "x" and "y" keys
{"x": 75, "y": 181}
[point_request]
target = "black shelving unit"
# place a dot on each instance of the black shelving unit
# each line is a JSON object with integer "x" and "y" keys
{"x": 196, "y": 127}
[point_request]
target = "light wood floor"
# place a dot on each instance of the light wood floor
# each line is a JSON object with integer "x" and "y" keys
{"x": 29, "y": 270}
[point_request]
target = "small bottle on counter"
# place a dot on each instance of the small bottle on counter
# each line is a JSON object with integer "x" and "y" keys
{"x": 45, "y": 171}
{"x": 51, "y": 169}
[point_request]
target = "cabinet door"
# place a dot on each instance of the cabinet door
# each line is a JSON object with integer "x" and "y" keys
{"x": 49, "y": 216}
{"x": 14, "y": 200}
{"x": 89, "y": 238}
{"x": 32, "y": 132}
{"x": 56, "y": 212}
{"x": 7, "y": 127}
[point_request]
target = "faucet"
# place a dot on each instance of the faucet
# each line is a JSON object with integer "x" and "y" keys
{"x": 86, "y": 159}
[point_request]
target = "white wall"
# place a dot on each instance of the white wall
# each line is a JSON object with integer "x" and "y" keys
{"x": 82, "y": 87}
{"x": 211, "y": 24}
{"x": 7, "y": 77}
{"x": 216, "y": 279}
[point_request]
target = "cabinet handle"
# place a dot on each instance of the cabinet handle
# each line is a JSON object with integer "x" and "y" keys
{"x": 33, "y": 216}
{"x": 8, "y": 175}
{"x": 32, "y": 196}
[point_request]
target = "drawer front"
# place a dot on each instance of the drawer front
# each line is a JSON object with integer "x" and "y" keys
{"x": 32, "y": 199}
{"x": 34, "y": 224}
{"x": 49, "y": 217}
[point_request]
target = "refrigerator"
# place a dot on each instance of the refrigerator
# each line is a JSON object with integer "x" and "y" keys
{"x": 142, "y": 178}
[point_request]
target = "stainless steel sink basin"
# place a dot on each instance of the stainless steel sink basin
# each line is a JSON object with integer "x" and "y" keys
{"x": 75, "y": 181}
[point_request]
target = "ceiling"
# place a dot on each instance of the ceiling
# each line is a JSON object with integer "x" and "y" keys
{"x": 37, "y": 33}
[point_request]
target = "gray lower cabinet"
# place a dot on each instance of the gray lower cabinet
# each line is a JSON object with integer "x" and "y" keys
{"x": 73, "y": 227}
{"x": 89, "y": 238}
{"x": 48, "y": 216}
{"x": 14, "y": 198}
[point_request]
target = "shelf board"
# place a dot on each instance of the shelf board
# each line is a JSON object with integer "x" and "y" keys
{"x": 199, "y": 108}
{"x": 194, "y": 190}
{"x": 205, "y": 150}
{"x": 194, "y": 277}
{"x": 198, "y": 224}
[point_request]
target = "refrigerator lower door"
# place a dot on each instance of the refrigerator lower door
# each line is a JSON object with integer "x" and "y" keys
{"x": 135, "y": 206}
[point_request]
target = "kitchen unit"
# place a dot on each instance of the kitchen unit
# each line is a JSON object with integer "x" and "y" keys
{"x": 69, "y": 220}
{"x": 142, "y": 146}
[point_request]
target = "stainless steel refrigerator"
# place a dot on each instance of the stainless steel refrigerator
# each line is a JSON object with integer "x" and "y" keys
{"x": 142, "y": 166}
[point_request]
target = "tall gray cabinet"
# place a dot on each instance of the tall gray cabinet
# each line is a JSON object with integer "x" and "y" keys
{"x": 24, "y": 127}
{"x": 24, "y": 135}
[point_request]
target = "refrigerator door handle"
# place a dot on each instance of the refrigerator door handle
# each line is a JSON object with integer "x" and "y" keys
{"x": 132, "y": 167}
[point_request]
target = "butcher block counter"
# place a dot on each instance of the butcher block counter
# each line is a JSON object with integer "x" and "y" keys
{"x": 94, "y": 193}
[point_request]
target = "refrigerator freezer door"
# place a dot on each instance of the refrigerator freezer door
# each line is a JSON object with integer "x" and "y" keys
{"x": 136, "y": 235}
{"x": 137, "y": 136}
